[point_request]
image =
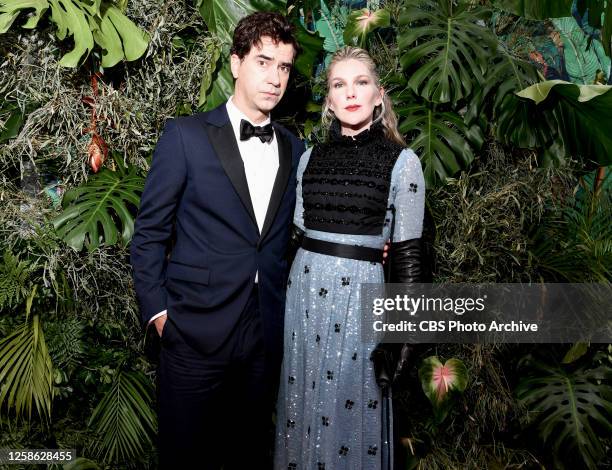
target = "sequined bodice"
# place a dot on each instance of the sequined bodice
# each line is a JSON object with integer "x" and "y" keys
{"x": 345, "y": 186}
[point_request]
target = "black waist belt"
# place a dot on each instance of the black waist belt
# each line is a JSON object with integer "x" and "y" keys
{"x": 340, "y": 250}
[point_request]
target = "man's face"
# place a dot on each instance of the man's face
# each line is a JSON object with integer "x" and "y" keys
{"x": 261, "y": 77}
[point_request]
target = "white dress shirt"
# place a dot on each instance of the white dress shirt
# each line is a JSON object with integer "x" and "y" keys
{"x": 260, "y": 161}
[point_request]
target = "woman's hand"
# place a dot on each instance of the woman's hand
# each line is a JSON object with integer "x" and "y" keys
{"x": 386, "y": 251}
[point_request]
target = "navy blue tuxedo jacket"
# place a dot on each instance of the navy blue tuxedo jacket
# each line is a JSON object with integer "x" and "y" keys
{"x": 196, "y": 194}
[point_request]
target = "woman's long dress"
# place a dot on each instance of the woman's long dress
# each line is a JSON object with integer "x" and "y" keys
{"x": 328, "y": 410}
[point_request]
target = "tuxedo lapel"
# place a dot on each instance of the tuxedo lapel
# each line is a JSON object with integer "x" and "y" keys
{"x": 223, "y": 140}
{"x": 280, "y": 183}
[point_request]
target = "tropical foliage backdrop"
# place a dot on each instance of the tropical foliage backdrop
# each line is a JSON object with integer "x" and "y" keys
{"x": 508, "y": 105}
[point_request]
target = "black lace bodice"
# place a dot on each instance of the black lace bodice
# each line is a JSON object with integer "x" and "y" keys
{"x": 345, "y": 186}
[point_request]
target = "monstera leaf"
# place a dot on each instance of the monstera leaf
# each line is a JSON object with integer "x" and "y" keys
{"x": 573, "y": 410}
{"x": 118, "y": 36}
{"x": 583, "y": 116}
{"x": 440, "y": 138}
{"x": 85, "y": 22}
{"x": 93, "y": 211}
{"x": 124, "y": 419}
{"x": 515, "y": 121}
{"x": 584, "y": 57}
{"x": 441, "y": 382}
{"x": 445, "y": 50}
{"x": 10, "y": 10}
{"x": 362, "y": 22}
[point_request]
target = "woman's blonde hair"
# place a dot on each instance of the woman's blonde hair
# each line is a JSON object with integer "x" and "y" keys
{"x": 383, "y": 112}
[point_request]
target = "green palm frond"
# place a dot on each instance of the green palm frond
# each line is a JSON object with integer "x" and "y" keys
{"x": 124, "y": 419}
{"x": 14, "y": 275}
{"x": 26, "y": 371}
{"x": 66, "y": 345}
{"x": 81, "y": 463}
{"x": 574, "y": 242}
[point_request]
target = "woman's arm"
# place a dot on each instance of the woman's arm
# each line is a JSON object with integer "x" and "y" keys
{"x": 404, "y": 260}
{"x": 409, "y": 203}
{"x": 297, "y": 228}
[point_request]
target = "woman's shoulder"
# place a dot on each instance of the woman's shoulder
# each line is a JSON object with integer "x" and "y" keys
{"x": 407, "y": 163}
{"x": 407, "y": 157}
{"x": 304, "y": 159}
{"x": 306, "y": 155}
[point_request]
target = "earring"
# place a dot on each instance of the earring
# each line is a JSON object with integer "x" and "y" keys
{"x": 381, "y": 113}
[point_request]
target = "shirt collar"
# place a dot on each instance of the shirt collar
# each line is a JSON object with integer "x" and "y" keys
{"x": 236, "y": 115}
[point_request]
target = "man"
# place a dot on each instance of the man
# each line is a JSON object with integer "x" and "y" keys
{"x": 224, "y": 183}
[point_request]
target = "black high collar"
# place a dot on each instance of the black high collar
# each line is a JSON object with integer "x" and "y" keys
{"x": 374, "y": 132}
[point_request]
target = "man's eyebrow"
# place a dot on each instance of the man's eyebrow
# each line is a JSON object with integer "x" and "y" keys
{"x": 265, "y": 57}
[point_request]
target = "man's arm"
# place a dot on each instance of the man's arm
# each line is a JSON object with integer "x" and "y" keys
{"x": 154, "y": 223}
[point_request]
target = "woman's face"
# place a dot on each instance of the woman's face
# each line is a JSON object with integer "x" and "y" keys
{"x": 353, "y": 95}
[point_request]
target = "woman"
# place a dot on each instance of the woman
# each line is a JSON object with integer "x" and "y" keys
{"x": 328, "y": 413}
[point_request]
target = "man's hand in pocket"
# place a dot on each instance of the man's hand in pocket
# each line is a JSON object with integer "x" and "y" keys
{"x": 159, "y": 324}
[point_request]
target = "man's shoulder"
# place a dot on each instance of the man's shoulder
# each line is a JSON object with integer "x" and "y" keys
{"x": 216, "y": 116}
{"x": 187, "y": 124}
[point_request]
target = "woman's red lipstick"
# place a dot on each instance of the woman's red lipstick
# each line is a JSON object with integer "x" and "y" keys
{"x": 353, "y": 107}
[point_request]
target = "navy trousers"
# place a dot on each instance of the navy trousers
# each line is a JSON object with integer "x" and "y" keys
{"x": 216, "y": 410}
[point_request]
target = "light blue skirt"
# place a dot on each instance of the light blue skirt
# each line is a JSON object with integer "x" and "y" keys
{"x": 329, "y": 406}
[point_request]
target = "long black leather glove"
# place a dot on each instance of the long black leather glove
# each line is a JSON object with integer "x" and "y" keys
{"x": 405, "y": 261}
{"x": 295, "y": 241}
{"x": 391, "y": 360}
{"x": 404, "y": 266}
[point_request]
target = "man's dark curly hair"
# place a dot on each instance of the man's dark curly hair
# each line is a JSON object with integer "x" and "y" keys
{"x": 252, "y": 28}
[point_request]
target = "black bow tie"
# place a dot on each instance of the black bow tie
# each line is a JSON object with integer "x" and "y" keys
{"x": 248, "y": 130}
